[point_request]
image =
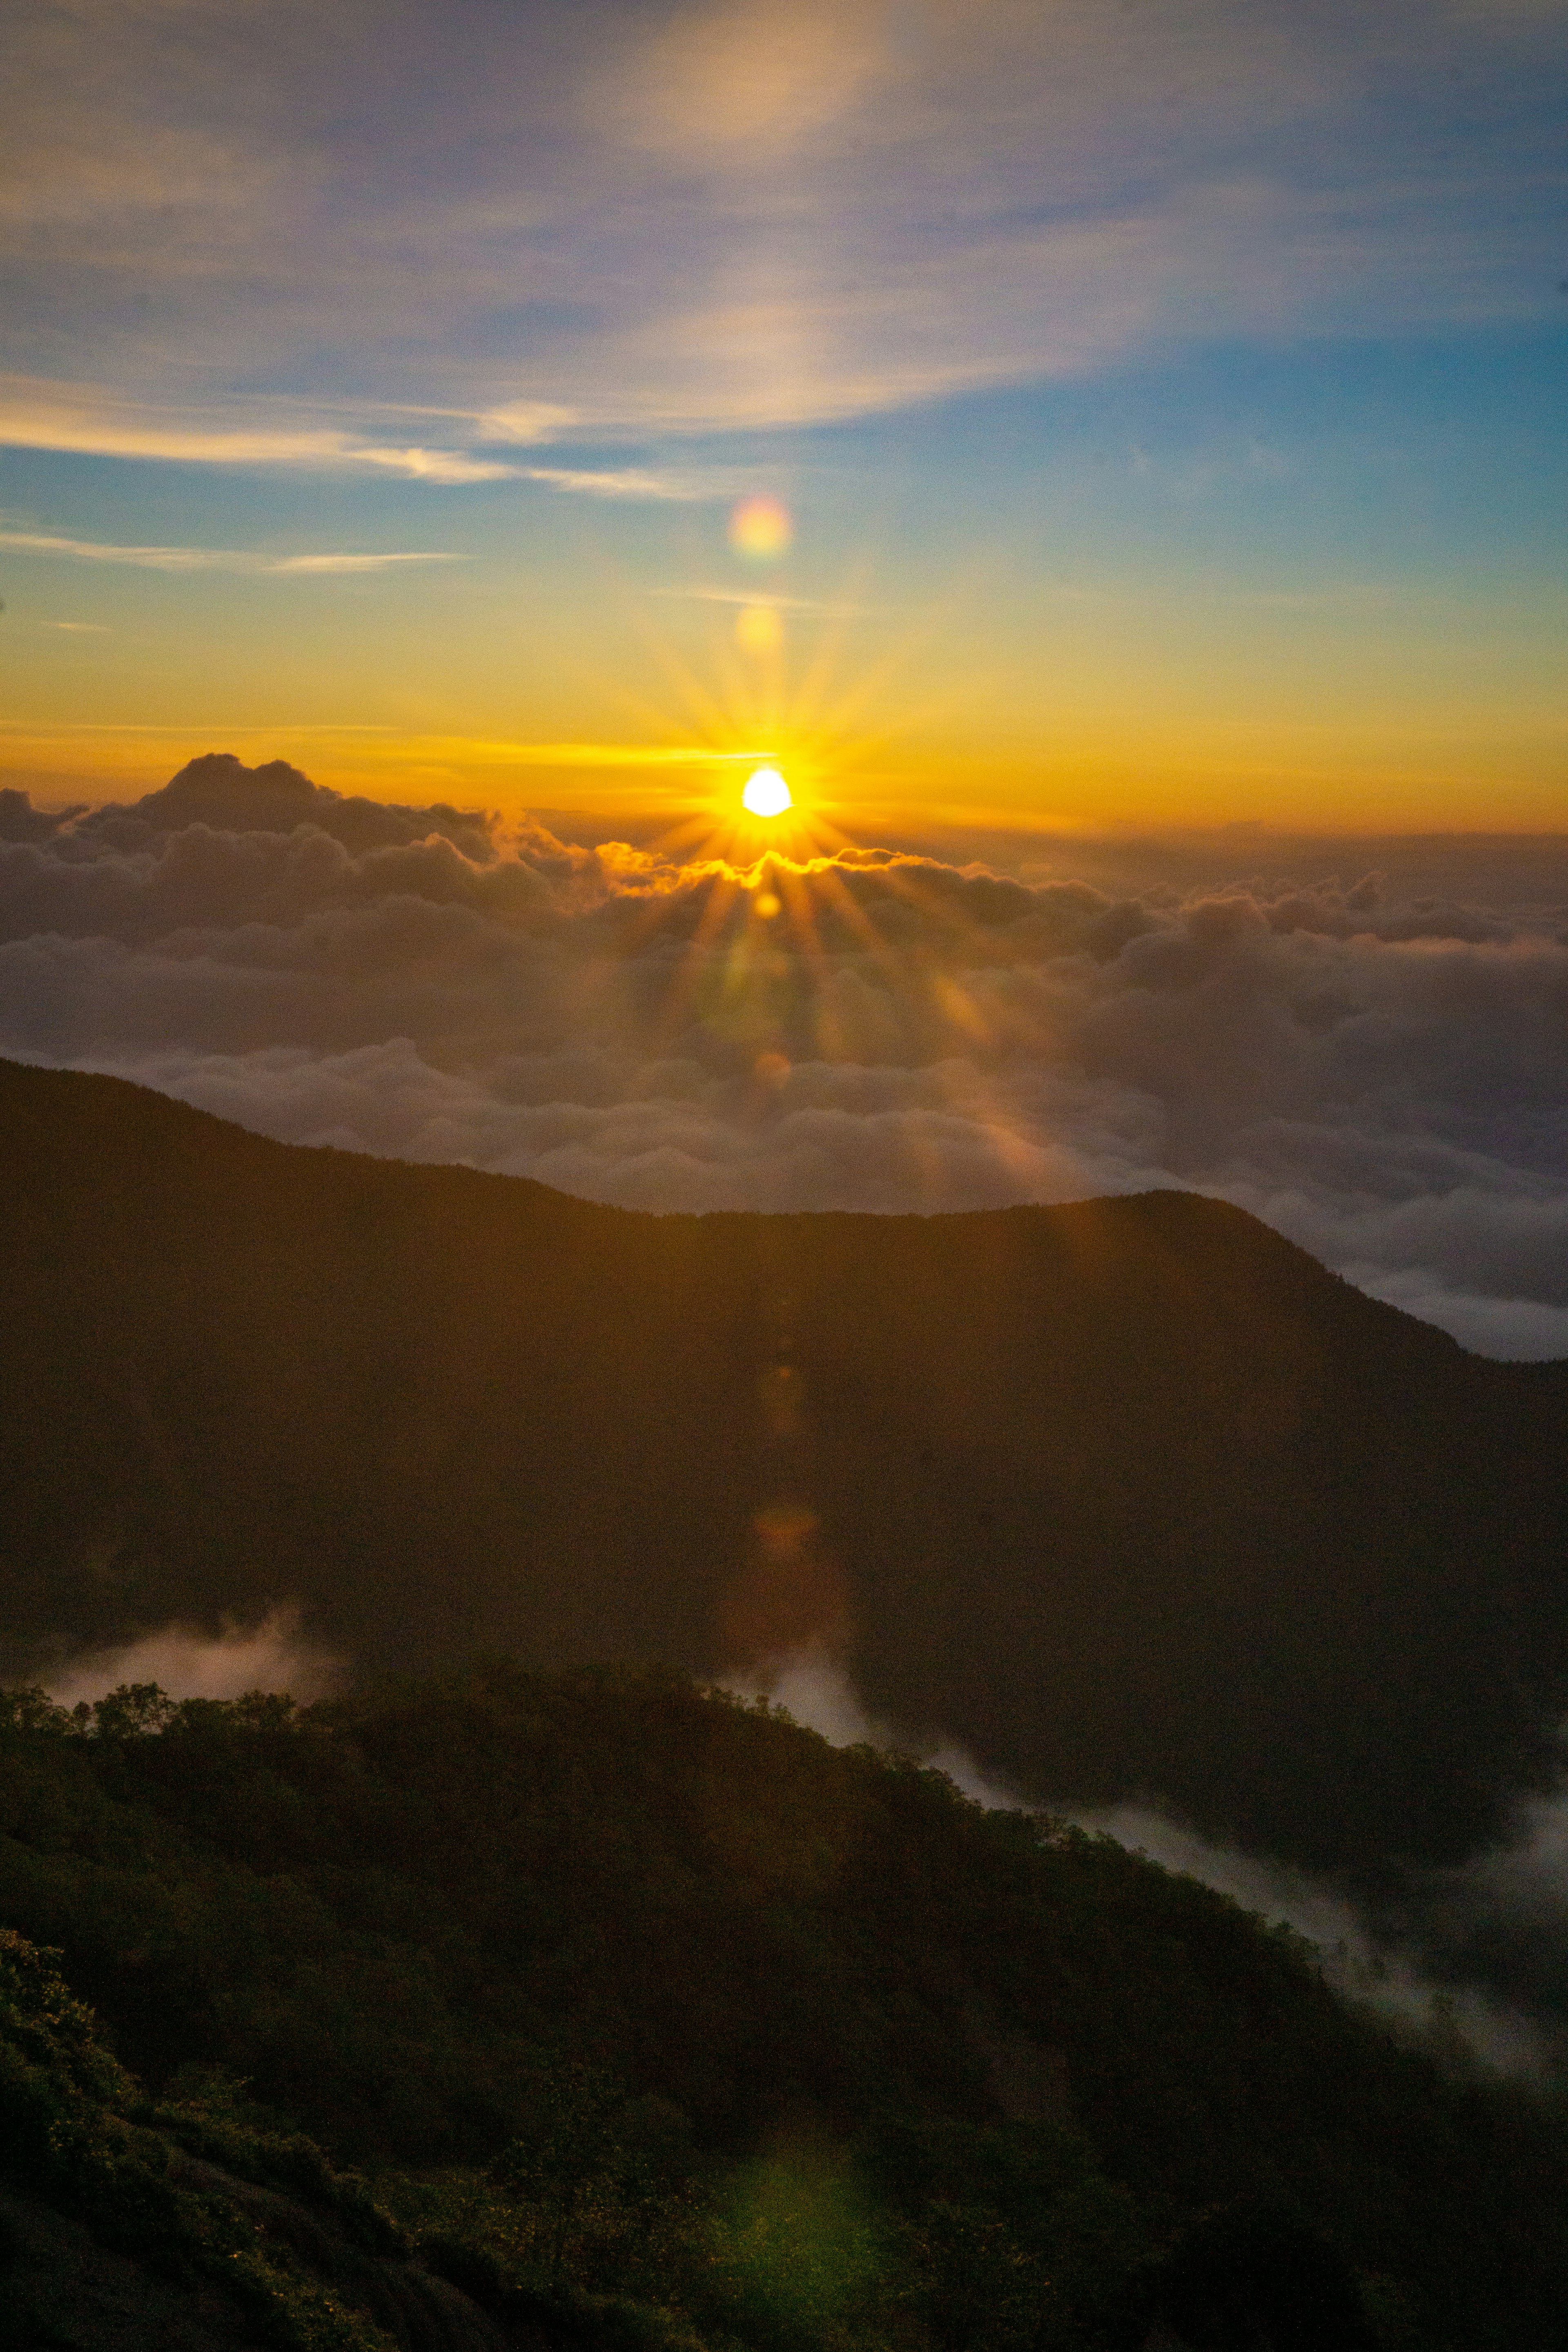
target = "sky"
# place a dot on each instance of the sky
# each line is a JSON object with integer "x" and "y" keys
{"x": 1108, "y": 457}
{"x": 1165, "y": 399}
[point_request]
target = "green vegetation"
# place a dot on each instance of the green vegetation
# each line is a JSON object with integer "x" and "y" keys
{"x": 76, "y": 2128}
{"x": 647, "y": 2018}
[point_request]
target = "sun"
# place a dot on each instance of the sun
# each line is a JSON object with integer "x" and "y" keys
{"x": 766, "y": 793}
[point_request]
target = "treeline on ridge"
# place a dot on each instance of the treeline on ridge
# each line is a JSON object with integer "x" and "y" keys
{"x": 643, "y": 2016}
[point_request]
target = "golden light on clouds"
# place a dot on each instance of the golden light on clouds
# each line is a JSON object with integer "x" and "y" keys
{"x": 766, "y": 793}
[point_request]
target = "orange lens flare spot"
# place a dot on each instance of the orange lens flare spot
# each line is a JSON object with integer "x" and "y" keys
{"x": 761, "y": 527}
{"x": 758, "y": 629}
{"x": 784, "y": 1526}
{"x": 766, "y": 793}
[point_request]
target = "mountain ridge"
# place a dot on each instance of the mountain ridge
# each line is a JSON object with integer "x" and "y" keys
{"x": 1130, "y": 1497}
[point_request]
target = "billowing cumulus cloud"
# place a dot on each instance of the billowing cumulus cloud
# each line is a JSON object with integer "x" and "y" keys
{"x": 1382, "y": 1075}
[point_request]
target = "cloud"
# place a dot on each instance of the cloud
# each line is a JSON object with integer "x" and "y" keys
{"x": 313, "y": 564}
{"x": 425, "y": 464}
{"x": 1391, "y": 1975}
{"x": 1379, "y": 1072}
{"x": 187, "y": 1664}
{"x": 203, "y": 558}
{"x": 20, "y": 820}
{"x": 1488, "y": 1326}
{"x": 764, "y": 597}
{"x": 740, "y": 85}
{"x": 89, "y": 421}
{"x": 626, "y": 482}
{"x": 1524, "y": 1878}
{"x": 659, "y": 217}
{"x": 1395, "y": 1980}
{"x": 525, "y": 421}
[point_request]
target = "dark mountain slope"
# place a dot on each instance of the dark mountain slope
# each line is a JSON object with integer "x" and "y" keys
{"x": 1131, "y": 1496}
{"x": 611, "y": 1984}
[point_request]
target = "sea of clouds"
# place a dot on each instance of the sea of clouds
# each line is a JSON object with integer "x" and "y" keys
{"x": 1380, "y": 1071}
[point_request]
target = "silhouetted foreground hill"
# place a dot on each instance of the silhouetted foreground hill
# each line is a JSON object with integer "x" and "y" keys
{"x": 1126, "y": 1496}
{"x": 652, "y": 2021}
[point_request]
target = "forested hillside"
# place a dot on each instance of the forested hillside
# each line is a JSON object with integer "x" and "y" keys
{"x": 1128, "y": 1496}
{"x": 640, "y": 2016}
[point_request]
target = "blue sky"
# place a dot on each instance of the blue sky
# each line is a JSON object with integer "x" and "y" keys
{"x": 1173, "y": 393}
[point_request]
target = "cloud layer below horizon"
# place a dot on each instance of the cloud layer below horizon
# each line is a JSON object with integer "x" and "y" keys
{"x": 1383, "y": 1078}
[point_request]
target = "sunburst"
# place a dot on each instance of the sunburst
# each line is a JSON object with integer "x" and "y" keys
{"x": 760, "y": 884}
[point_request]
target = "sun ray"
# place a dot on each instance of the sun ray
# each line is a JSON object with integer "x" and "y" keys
{"x": 757, "y": 868}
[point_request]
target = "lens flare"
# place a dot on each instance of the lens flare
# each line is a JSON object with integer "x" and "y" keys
{"x": 758, "y": 629}
{"x": 761, "y": 527}
{"x": 766, "y": 793}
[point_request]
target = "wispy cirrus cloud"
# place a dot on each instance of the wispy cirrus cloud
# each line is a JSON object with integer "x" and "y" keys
{"x": 86, "y": 420}
{"x": 524, "y": 420}
{"x": 211, "y": 559}
{"x": 769, "y": 597}
{"x": 91, "y": 421}
{"x": 624, "y": 482}
{"x": 669, "y": 216}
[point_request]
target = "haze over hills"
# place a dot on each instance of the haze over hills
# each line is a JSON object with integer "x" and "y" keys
{"x": 1128, "y": 1497}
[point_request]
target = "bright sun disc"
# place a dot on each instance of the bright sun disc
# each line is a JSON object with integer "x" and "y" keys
{"x": 766, "y": 793}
